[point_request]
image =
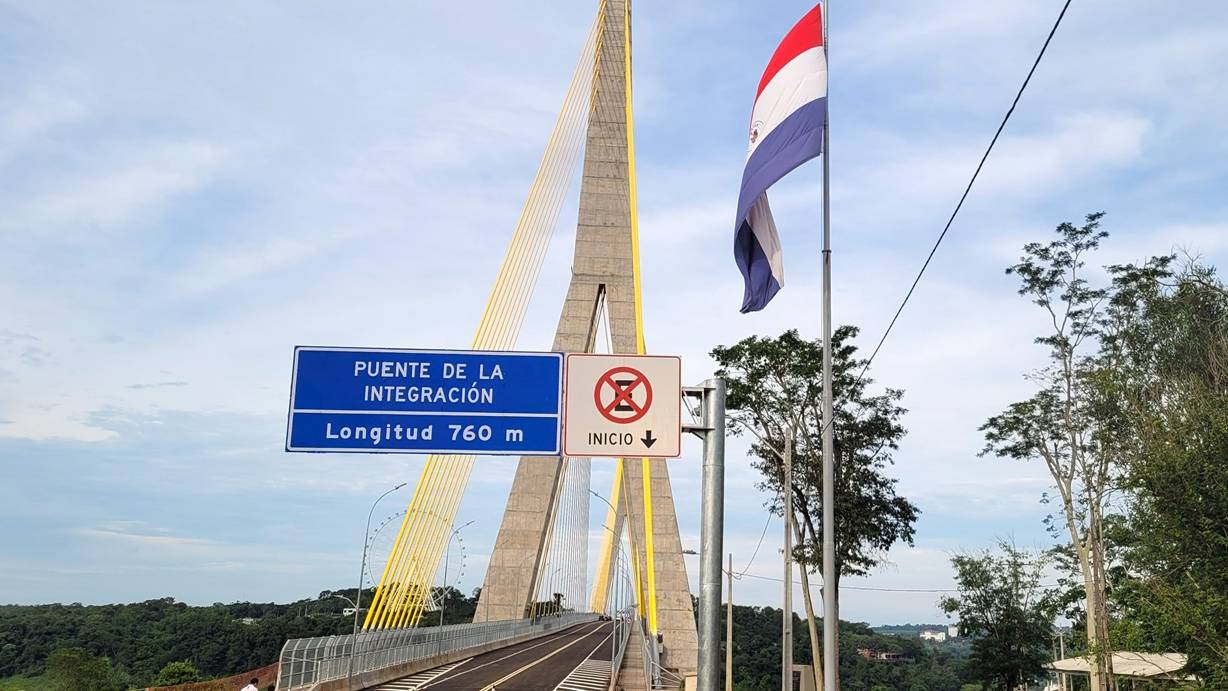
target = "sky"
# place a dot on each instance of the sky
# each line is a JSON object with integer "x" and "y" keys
{"x": 189, "y": 190}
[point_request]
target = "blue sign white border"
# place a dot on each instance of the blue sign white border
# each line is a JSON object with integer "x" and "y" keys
{"x": 558, "y": 437}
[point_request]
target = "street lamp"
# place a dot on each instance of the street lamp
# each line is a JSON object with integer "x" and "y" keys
{"x": 362, "y": 568}
{"x": 617, "y": 615}
{"x": 443, "y": 601}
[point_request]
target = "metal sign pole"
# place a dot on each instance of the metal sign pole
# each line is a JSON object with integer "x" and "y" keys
{"x": 711, "y": 532}
{"x": 786, "y": 621}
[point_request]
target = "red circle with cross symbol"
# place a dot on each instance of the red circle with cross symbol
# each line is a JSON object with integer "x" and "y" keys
{"x": 617, "y": 395}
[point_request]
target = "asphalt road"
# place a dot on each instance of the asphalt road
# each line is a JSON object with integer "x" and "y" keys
{"x": 574, "y": 655}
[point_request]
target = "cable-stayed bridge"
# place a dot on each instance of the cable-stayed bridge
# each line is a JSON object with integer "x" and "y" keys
{"x": 540, "y": 624}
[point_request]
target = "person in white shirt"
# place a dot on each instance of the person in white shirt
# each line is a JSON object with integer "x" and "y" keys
{"x": 251, "y": 685}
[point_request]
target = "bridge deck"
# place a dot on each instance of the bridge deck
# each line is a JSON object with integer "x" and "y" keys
{"x": 577, "y": 659}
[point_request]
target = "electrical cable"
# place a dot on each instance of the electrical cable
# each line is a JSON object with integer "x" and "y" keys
{"x": 967, "y": 190}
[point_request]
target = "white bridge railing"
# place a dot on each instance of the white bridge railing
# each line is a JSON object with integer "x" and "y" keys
{"x": 307, "y": 661}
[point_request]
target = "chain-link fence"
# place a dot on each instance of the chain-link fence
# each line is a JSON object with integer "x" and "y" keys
{"x": 307, "y": 661}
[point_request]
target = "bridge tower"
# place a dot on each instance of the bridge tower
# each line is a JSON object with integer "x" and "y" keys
{"x": 605, "y": 286}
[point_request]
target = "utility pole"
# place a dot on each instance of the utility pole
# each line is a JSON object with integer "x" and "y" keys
{"x": 786, "y": 634}
{"x": 1061, "y": 676}
{"x": 729, "y": 630}
{"x": 711, "y": 527}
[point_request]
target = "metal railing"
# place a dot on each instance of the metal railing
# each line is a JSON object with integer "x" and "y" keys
{"x": 656, "y": 677}
{"x": 623, "y": 623}
{"x": 307, "y": 661}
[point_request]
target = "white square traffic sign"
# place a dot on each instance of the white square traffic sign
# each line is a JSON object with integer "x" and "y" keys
{"x": 622, "y": 406}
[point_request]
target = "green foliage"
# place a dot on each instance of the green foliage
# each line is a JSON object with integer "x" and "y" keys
{"x": 140, "y": 639}
{"x": 178, "y": 672}
{"x": 774, "y": 388}
{"x": 39, "y": 683}
{"x": 1063, "y": 424}
{"x": 756, "y": 656}
{"x": 457, "y": 607}
{"x": 1009, "y": 616}
{"x": 73, "y": 669}
{"x": 1131, "y": 418}
{"x": 1163, "y": 380}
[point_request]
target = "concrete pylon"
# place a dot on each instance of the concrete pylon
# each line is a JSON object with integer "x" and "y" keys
{"x": 603, "y": 277}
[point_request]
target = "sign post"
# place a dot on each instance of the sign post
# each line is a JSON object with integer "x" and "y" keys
{"x": 425, "y": 401}
{"x": 622, "y": 406}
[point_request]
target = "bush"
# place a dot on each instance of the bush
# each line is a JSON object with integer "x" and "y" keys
{"x": 73, "y": 669}
{"x": 181, "y": 672}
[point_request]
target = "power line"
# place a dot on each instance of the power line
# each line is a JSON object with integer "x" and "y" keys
{"x": 967, "y": 189}
{"x": 777, "y": 579}
{"x": 756, "y": 552}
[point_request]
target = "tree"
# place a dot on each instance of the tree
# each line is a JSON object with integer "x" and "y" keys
{"x": 774, "y": 392}
{"x": 1163, "y": 376}
{"x": 1003, "y": 607}
{"x": 1063, "y": 424}
{"x": 180, "y": 672}
{"x": 74, "y": 669}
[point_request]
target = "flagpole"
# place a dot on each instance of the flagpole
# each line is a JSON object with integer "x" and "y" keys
{"x": 831, "y": 607}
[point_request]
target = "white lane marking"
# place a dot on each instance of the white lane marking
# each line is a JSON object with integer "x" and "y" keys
{"x": 549, "y": 639}
{"x": 417, "y": 681}
{"x": 590, "y": 674}
{"x": 495, "y": 684}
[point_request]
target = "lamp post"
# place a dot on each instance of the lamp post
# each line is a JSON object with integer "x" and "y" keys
{"x": 616, "y": 616}
{"x": 362, "y": 568}
{"x": 443, "y": 602}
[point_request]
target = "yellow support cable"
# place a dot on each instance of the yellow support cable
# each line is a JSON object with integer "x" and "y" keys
{"x": 437, "y": 533}
{"x": 640, "y": 599}
{"x": 553, "y": 179}
{"x": 493, "y": 332}
{"x": 410, "y": 583}
{"x": 645, "y": 463}
{"x": 393, "y": 588}
{"x": 610, "y": 539}
{"x": 380, "y": 592}
{"x": 639, "y": 322}
{"x": 403, "y": 588}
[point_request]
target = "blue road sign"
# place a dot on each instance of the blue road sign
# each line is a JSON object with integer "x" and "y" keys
{"x": 425, "y": 401}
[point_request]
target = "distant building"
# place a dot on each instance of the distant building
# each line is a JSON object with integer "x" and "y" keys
{"x": 934, "y": 635}
{"x": 880, "y": 656}
{"x": 248, "y": 620}
{"x": 953, "y": 631}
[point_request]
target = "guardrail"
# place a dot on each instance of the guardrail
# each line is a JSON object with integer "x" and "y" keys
{"x": 308, "y": 661}
{"x": 656, "y": 677}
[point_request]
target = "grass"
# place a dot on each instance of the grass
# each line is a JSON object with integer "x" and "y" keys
{"x": 39, "y": 683}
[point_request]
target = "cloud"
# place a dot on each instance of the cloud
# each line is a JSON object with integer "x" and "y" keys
{"x": 162, "y": 543}
{"x": 7, "y": 336}
{"x": 167, "y": 230}
{"x": 158, "y": 385}
{"x": 49, "y": 426}
{"x": 136, "y": 180}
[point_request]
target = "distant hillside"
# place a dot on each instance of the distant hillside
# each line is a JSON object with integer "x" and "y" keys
{"x": 140, "y": 638}
{"x": 224, "y": 639}
{"x": 914, "y": 664}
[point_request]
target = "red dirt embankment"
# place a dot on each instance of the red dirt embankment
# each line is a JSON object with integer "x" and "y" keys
{"x": 266, "y": 675}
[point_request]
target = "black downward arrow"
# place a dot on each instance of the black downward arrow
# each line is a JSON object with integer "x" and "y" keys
{"x": 648, "y": 440}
